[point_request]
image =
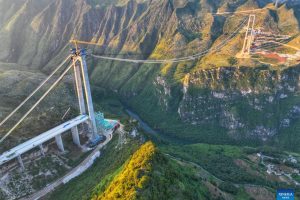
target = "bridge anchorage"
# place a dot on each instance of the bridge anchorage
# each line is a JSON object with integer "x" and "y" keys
{"x": 87, "y": 114}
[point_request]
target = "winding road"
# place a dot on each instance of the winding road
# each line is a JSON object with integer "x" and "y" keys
{"x": 60, "y": 181}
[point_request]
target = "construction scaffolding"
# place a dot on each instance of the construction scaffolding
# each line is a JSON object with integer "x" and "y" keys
{"x": 104, "y": 124}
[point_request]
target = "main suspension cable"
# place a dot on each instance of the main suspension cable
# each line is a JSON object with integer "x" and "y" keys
{"x": 175, "y": 60}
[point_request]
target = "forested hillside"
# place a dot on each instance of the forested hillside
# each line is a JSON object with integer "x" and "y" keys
{"x": 150, "y": 175}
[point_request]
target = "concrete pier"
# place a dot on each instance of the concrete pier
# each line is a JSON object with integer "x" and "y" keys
{"x": 21, "y": 162}
{"x": 276, "y": 4}
{"x": 75, "y": 135}
{"x": 59, "y": 143}
{"x": 42, "y": 149}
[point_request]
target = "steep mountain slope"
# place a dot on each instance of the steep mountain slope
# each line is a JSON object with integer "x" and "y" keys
{"x": 203, "y": 100}
{"x": 149, "y": 175}
{"x": 48, "y": 26}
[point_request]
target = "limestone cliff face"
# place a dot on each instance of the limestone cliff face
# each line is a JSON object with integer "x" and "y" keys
{"x": 256, "y": 102}
{"x": 260, "y": 105}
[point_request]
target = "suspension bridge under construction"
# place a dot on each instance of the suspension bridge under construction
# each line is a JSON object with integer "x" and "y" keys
{"x": 87, "y": 115}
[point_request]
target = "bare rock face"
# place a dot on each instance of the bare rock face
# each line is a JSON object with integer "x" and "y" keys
{"x": 242, "y": 100}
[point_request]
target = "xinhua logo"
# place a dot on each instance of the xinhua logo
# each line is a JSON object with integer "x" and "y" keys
{"x": 287, "y": 194}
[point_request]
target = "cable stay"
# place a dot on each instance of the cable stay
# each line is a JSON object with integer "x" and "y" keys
{"x": 36, "y": 104}
{"x": 33, "y": 93}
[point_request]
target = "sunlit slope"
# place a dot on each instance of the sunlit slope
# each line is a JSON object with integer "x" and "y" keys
{"x": 142, "y": 29}
{"x": 150, "y": 175}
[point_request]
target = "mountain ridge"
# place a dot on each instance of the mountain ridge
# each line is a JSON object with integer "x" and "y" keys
{"x": 150, "y": 175}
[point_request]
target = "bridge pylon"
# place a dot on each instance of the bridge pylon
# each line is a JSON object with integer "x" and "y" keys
{"x": 81, "y": 75}
{"x": 276, "y": 3}
{"x": 83, "y": 90}
{"x": 249, "y": 37}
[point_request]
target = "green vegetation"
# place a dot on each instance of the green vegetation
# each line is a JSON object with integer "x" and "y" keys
{"x": 190, "y": 35}
{"x": 231, "y": 168}
{"x": 217, "y": 159}
{"x": 221, "y": 161}
{"x": 100, "y": 187}
{"x": 169, "y": 122}
{"x": 39, "y": 168}
{"x": 150, "y": 175}
{"x": 296, "y": 177}
{"x": 228, "y": 187}
{"x": 232, "y": 61}
{"x": 2, "y": 195}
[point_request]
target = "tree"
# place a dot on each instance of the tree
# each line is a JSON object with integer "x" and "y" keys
{"x": 232, "y": 61}
{"x": 228, "y": 187}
